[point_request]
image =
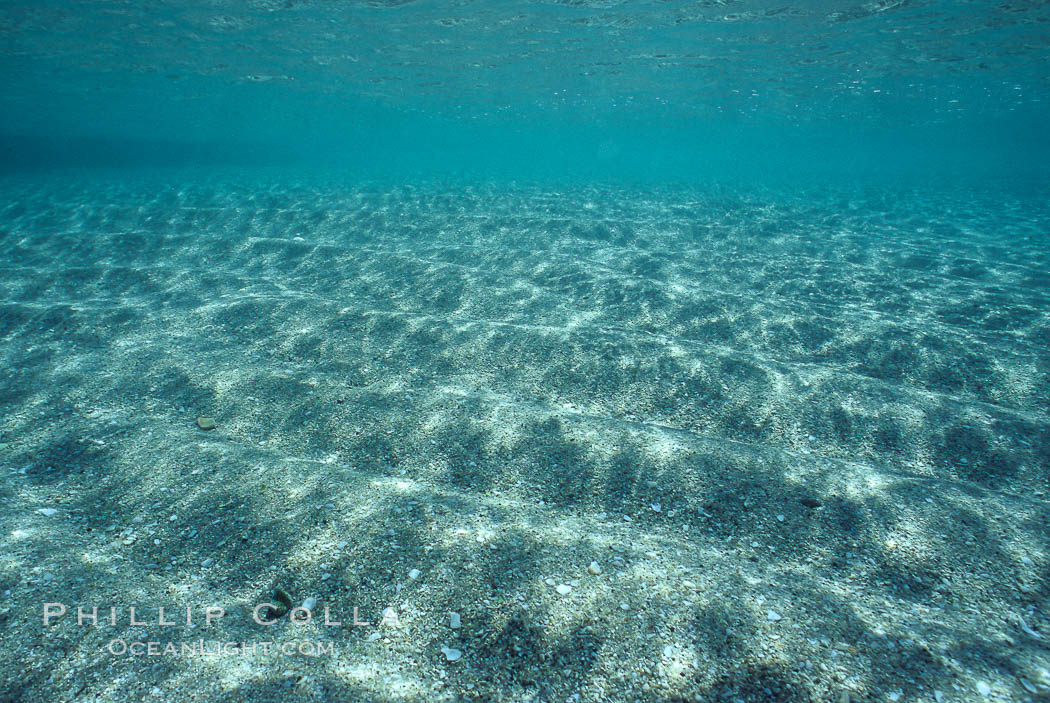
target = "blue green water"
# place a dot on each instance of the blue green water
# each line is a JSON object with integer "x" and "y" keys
{"x": 659, "y": 351}
{"x": 684, "y": 92}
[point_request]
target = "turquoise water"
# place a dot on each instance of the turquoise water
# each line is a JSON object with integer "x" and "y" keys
{"x": 660, "y": 351}
{"x": 683, "y": 92}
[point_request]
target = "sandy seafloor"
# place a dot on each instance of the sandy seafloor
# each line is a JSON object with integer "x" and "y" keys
{"x": 803, "y": 437}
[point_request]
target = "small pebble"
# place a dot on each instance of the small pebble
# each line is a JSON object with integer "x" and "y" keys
{"x": 564, "y": 589}
{"x": 451, "y": 654}
{"x": 983, "y": 688}
{"x": 594, "y": 568}
{"x": 207, "y": 562}
{"x": 773, "y": 616}
{"x": 624, "y": 606}
{"x": 414, "y": 574}
{"x": 655, "y": 506}
{"x": 454, "y": 621}
{"x": 47, "y": 512}
{"x": 206, "y": 423}
{"x": 310, "y": 603}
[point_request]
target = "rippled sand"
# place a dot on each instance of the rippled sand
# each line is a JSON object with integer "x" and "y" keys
{"x": 804, "y": 437}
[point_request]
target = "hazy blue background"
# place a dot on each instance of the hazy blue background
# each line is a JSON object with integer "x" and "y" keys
{"x": 550, "y": 91}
